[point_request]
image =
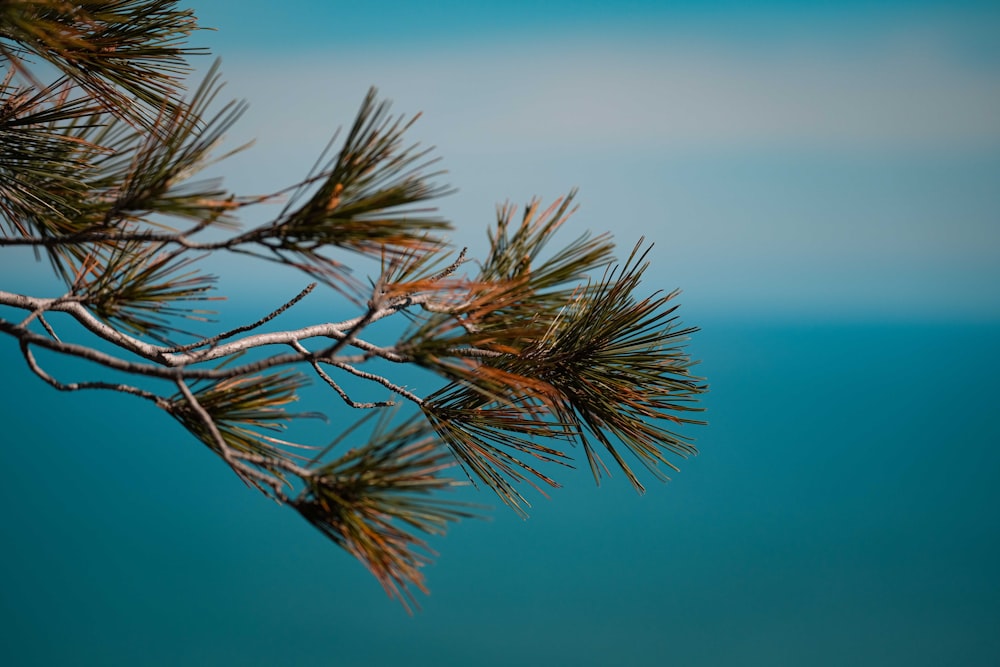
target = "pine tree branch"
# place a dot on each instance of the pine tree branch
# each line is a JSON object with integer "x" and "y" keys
{"x": 96, "y": 173}
{"x": 250, "y": 478}
{"x": 121, "y": 52}
{"x": 166, "y": 355}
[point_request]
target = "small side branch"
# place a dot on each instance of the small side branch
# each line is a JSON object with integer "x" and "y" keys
{"x": 33, "y": 364}
{"x": 247, "y": 327}
{"x": 48, "y": 328}
{"x": 376, "y": 378}
{"x": 336, "y": 387}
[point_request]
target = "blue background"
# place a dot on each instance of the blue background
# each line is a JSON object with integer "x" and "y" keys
{"x": 843, "y": 268}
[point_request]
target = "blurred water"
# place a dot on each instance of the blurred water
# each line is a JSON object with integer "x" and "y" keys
{"x": 844, "y": 510}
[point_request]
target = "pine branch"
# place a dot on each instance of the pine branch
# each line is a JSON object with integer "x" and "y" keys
{"x": 36, "y": 368}
{"x": 618, "y": 366}
{"x": 42, "y": 155}
{"x": 366, "y": 500}
{"x": 371, "y": 199}
{"x": 141, "y": 290}
{"x": 117, "y": 51}
{"x": 102, "y": 181}
{"x": 240, "y": 408}
{"x": 535, "y": 355}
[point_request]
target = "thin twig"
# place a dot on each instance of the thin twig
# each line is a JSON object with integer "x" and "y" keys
{"x": 33, "y": 364}
{"x": 275, "y": 464}
{"x": 247, "y": 327}
{"x": 451, "y": 268}
{"x": 48, "y": 328}
{"x": 375, "y": 378}
{"x": 336, "y": 387}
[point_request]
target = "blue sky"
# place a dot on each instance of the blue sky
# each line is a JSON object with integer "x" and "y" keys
{"x": 787, "y": 159}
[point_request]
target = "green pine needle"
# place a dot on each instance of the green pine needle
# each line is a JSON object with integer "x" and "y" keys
{"x": 119, "y": 51}
{"x": 620, "y": 370}
{"x": 372, "y": 199}
{"x": 369, "y": 499}
{"x": 241, "y": 408}
{"x": 143, "y": 290}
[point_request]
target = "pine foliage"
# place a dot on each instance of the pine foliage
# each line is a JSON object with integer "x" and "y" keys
{"x": 539, "y": 349}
